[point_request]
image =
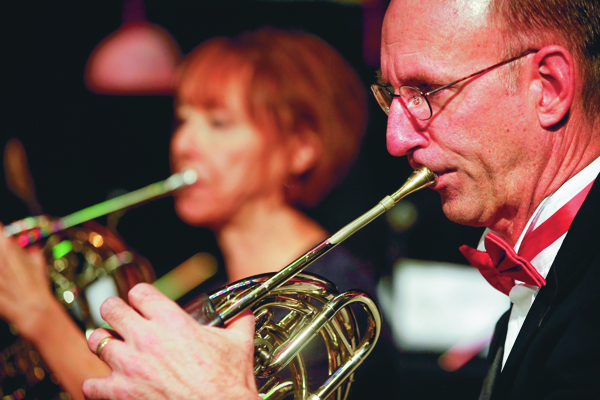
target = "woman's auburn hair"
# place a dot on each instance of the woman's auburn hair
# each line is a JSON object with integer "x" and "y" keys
{"x": 290, "y": 82}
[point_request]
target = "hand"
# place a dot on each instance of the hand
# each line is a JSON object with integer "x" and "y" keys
{"x": 24, "y": 288}
{"x": 163, "y": 353}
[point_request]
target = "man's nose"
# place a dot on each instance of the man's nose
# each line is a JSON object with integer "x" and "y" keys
{"x": 404, "y": 132}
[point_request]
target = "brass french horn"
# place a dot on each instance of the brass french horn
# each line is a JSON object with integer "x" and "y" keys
{"x": 86, "y": 263}
{"x": 313, "y": 307}
{"x": 290, "y": 308}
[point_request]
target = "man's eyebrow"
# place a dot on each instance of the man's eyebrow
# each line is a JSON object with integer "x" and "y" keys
{"x": 415, "y": 79}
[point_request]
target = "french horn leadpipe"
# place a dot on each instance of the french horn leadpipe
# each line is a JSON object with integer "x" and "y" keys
{"x": 33, "y": 229}
{"x": 420, "y": 178}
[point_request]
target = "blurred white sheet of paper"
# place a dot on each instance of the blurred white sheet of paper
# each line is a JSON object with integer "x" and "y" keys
{"x": 433, "y": 306}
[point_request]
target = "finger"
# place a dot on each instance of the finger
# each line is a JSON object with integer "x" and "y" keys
{"x": 121, "y": 317}
{"x": 96, "y": 337}
{"x": 150, "y": 302}
{"x": 242, "y": 326}
{"x": 241, "y": 329}
{"x": 7, "y": 250}
{"x": 18, "y": 260}
{"x": 102, "y": 342}
{"x": 36, "y": 255}
{"x": 8, "y": 242}
{"x": 35, "y": 251}
{"x": 95, "y": 388}
{"x": 99, "y": 388}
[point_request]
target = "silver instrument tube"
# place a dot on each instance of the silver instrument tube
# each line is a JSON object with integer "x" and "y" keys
{"x": 419, "y": 179}
{"x": 33, "y": 229}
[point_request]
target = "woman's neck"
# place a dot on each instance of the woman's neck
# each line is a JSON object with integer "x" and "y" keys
{"x": 267, "y": 240}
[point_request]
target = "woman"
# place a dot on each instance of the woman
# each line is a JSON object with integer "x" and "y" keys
{"x": 270, "y": 121}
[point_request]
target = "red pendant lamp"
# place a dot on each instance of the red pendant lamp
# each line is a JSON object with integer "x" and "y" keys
{"x": 139, "y": 58}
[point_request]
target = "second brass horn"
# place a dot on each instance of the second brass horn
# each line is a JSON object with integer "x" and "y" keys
{"x": 315, "y": 308}
{"x": 34, "y": 229}
{"x": 86, "y": 263}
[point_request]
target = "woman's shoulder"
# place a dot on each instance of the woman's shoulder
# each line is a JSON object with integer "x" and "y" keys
{"x": 346, "y": 270}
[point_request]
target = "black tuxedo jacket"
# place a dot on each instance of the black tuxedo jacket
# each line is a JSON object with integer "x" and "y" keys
{"x": 557, "y": 352}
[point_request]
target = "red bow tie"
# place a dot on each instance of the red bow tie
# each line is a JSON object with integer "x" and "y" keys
{"x": 501, "y": 266}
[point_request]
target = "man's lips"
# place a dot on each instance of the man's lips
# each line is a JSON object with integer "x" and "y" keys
{"x": 440, "y": 172}
{"x": 434, "y": 168}
{"x": 442, "y": 176}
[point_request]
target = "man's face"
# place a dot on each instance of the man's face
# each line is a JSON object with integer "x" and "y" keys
{"x": 478, "y": 140}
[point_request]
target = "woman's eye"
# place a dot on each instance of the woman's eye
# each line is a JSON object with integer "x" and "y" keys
{"x": 220, "y": 120}
{"x": 218, "y": 123}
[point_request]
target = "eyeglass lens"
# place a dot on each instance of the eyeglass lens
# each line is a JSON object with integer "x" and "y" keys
{"x": 415, "y": 102}
{"x": 383, "y": 97}
{"x": 411, "y": 98}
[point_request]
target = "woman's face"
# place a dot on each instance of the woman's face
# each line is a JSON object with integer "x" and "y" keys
{"x": 238, "y": 166}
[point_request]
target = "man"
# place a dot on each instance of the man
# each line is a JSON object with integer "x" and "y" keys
{"x": 502, "y": 142}
{"x": 511, "y": 144}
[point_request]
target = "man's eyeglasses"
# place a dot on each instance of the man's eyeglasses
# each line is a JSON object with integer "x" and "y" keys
{"x": 415, "y": 100}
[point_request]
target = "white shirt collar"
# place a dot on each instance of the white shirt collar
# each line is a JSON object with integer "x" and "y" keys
{"x": 562, "y": 196}
{"x": 522, "y": 296}
{"x": 547, "y": 208}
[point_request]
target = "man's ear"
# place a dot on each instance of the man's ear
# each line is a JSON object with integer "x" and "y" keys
{"x": 554, "y": 84}
{"x": 305, "y": 149}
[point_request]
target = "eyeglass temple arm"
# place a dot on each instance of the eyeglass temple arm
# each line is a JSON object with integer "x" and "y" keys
{"x": 481, "y": 72}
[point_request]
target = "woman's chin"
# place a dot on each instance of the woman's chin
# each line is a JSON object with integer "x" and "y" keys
{"x": 190, "y": 215}
{"x": 195, "y": 217}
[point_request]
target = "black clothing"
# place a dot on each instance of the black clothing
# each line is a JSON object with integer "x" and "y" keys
{"x": 374, "y": 378}
{"x": 557, "y": 352}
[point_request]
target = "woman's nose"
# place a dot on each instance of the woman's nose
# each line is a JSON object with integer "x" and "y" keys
{"x": 184, "y": 141}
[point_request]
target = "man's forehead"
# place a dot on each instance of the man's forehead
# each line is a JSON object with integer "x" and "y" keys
{"x": 421, "y": 33}
{"x": 436, "y": 10}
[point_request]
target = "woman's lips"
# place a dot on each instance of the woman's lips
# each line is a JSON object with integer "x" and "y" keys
{"x": 200, "y": 174}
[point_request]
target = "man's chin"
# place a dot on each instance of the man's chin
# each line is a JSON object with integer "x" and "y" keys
{"x": 460, "y": 211}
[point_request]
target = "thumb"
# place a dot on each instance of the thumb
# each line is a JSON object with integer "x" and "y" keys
{"x": 242, "y": 325}
{"x": 37, "y": 256}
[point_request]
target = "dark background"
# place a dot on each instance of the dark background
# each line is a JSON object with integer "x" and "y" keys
{"x": 83, "y": 146}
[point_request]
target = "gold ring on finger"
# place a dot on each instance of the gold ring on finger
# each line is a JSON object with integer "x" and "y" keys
{"x": 102, "y": 344}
